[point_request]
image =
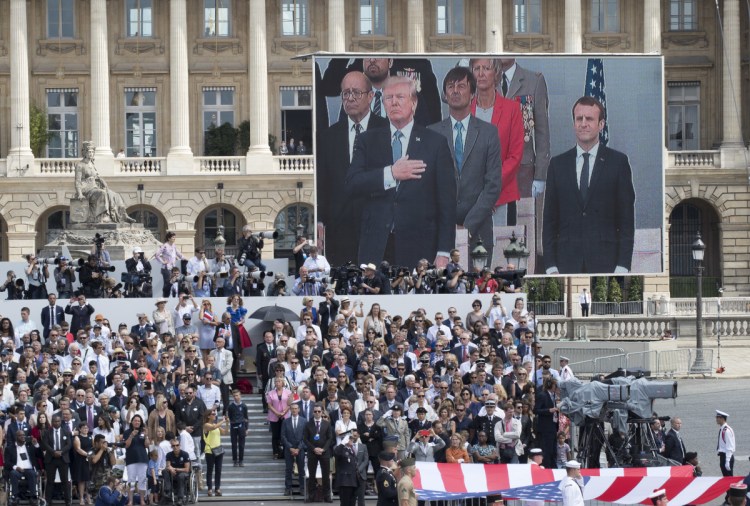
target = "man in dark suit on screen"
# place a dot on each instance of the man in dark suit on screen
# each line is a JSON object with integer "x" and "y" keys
{"x": 339, "y": 212}
{"x": 475, "y": 147}
{"x": 405, "y": 174}
{"x": 589, "y": 203}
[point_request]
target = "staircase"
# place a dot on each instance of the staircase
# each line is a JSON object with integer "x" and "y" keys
{"x": 262, "y": 478}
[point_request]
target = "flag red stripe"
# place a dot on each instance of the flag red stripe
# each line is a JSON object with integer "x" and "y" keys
{"x": 497, "y": 477}
{"x": 417, "y": 480}
{"x": 453, "y": 478}
{"x": 619, "y": 488}
{"x": 674, "y": 486}
{"x": 539, "y": 475}
{"x": 717, "y": 489}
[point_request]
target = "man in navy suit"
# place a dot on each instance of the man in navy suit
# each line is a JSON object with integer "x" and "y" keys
{"x": 52, "y": 314}
{"x": 338, "y": 211}
{"x": 405, "y": 174}
{"x": 589, "y": 203}
{"x": 292, "y": 433}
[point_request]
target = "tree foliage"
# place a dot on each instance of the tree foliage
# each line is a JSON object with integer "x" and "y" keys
{"x": 615, "y": 291}
{"x": 635, "y": 290}
{"x": 600, "y": 290}
{"x": 221, "y": 140}
{"x": 552, "y": 290}
{"x": 38, "y": 133}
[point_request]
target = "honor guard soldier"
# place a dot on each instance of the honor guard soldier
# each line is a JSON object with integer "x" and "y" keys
{"x": 572, "y": 485}
{"x": 659, "y": 497}
{"x": 725, "y": 445}
{"x": 385, "y": 481}
{"x": 406, "y": 494}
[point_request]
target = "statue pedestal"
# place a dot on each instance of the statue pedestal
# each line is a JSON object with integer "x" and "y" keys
{"x": 119, "y": 238}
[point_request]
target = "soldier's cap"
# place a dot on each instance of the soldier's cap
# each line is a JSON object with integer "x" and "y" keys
{"x": 722, "y": 414}
{"x": 396, "y": 407}
{"x": 480, "y": 360}
{"x": 657, "y": 493}
{"x": 572, "y": 464}
{"x": 564, "y": 358}
{"x": 535, "y": 451}
{"x": 421, "y": 410}
{"x": 490, "y": 403}
{"x": 386, "y": 456}
{"x": 407, "y": 463}
{"x": 738, "y": 489}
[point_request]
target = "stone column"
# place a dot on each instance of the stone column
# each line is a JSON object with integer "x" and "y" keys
{"x": 20, "y": 158}
{"x": 652, "y": 26}
{"x": 336, "y": 26}
{"x": 573, "y": 34}
{"x": 731, "y": 77}
{"x": 100, "y": 87}
{"x": 415, "y": 26}
{"x": 180, "y": 156}
{"x": 258, "y": 80}
{"x": 493, "y": 22}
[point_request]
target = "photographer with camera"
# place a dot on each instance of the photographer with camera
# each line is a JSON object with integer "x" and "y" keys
{"x": 317, "y": 265}
{"x": 250, "y": 246}
{"x": 220, "y": 266}
{"x": 455, "y": 274}
{"x": 138, "y": 275}
{"x": 65, "y": 276}
{"x": 423, "y": 282}
{"x": 278, "y": 287}
{"x": 12, "y": 286}
{"x": 167, "y": 255}
{"x": 36, "y": 276}
{"x": 197, "y": 270}
{"x": 300, "y": 252}
{"x": 401, "y": 282}
{"x": 306, "y": 284}
{"x": 485, "y": 283}
{"x": 91, "y": 278}
{"x": 234, "y": 283}
{"x": 372, "y": 283}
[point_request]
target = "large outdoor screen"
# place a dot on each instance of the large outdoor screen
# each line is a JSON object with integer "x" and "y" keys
{"x": 416, "y": 157}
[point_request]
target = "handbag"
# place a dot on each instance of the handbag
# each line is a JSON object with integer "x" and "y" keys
{"x": 507, "y": 454}
{"x": 215, "y": 451}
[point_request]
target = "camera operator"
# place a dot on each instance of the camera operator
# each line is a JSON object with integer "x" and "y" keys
{"x": 65, "y": 276}
{"x": 177, "y": 283}
{"x": 91, "y": 278}
{"x": 306, "y": 284}
{"x": 100, "y": 251}
{"x": 300, "y": 252}
{"x": 421, "y": 281}
{"x": 220, "y": 266}
{"x": 36, "y": 276}
{"x": 454, "y": 273}
{"x": 197, "y": 271}
{"x": 11, "y": 285}
{"x": 485, "y": 283}
{"x": 384, "y": 273}
{"x": 402, "y": 283}
{"x": 167, "y": 255}
{"x": 234, "y": 283}
{"x": 249, "y": 250}
{"x": 278, "y": 287}
{"x": 317, "y": 265}
{"x": 139, "y": 272}
{"x": 372, "y": 283}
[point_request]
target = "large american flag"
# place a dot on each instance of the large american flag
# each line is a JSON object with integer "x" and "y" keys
{"x": 454, "y": 481}
{"x": 594, "y": 87}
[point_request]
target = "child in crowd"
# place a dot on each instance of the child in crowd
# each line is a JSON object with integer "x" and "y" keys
{"x": 563, "y": 451}
{"x": 153, "y": 475}
{"x": 238, "y": 423}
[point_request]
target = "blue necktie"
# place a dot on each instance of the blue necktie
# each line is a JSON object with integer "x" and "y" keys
{"x": 584, "y": 183}
{"x": 459, "y": 146}
{"x": 376, "y": 104}
{"x": 396, "y": 147}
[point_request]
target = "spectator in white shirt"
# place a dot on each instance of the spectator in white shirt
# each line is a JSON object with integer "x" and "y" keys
{"x": 317, "y": 265}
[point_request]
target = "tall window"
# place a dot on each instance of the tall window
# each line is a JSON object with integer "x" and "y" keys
{"x": 372, "y": 17}
{"x": 140, "y": 122}
{"x": 605, "y": 16}
{"x": 62, "y": 123}
{"x": 527, "y": 16}
{"x": 150, "y": 221}
{"x": 210, "y": 225}
{"x": 296, "y": 115}
{"x": 60, "y": 19}
{"x": 295, "y": 18}
{"x": 683, "y": 110}
{"x": 218, "y": 107}
{"x": 287, "y": 222}
{"x": 57, "y": 223}
{"x": 216, "y": 14}
{"x": 139, "y": 18}
{"x": 450, "y": 17}
{"x": 683, "y": 15}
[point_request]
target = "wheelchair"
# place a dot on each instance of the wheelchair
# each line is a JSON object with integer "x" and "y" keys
{"x": 25, "y": 494}
{"x": 191, "y": 491}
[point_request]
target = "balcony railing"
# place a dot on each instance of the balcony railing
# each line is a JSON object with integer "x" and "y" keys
{"x": 155, "y": 166}
{"x": 694, "y": 159}
{"x": 55, "y": 166}
{"x": 220, "y": 165}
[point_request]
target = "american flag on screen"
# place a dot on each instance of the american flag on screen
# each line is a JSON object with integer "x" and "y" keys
{"x": 595, "y": 88}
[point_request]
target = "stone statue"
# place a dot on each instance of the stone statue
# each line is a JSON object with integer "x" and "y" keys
{"x": 104, "y": 205}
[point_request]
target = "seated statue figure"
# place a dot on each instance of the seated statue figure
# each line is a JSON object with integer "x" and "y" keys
{"x": 105, "y": 205}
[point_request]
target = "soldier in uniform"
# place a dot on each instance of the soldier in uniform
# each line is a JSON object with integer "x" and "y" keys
{"x": 385, "y": 482}
{"x": 572, "y": 485}
{"x": 406, "y": 494}
{"x": 737, "y": 494}
{"x": 659, "y": 497}
{"x": 396, "y": 429}
{"x": 535, "y": 459}
{"x": 725, "y": 446}
{"x": 487, "y": 422}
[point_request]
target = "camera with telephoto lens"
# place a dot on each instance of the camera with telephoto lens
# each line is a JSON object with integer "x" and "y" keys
{"x": 98, "y": 239}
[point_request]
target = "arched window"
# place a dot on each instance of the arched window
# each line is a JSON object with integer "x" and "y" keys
{"x": 687, "y": 218}
{"x": 287, "y": 222}
{"x": 57, "y": 223}
{"x": 150, "y": 220}
{"x": 208, "y": 225}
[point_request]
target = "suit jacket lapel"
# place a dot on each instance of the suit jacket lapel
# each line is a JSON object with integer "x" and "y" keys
{"x": 472, "y": 133}
{"x": 516, "y": 83}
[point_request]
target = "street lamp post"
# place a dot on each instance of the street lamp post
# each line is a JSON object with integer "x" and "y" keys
{"x": 699, "y": 366}
{"x": 479, "y": 256}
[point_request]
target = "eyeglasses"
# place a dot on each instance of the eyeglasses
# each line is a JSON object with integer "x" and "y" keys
{"x": 420, "y": 396}
{"x": 355, "y": 94}
{"x": 317, "y": 411}
{"x": 295, "y": 361}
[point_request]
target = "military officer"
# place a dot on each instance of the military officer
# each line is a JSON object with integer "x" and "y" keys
{"x": 572, "y": 485}
{"x": 385, "y": 481}
{"x": 406, "y": 494}
{"x": 725, "y": 445}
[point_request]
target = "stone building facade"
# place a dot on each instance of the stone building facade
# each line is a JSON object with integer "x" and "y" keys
{"x": 149, "y": 76}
